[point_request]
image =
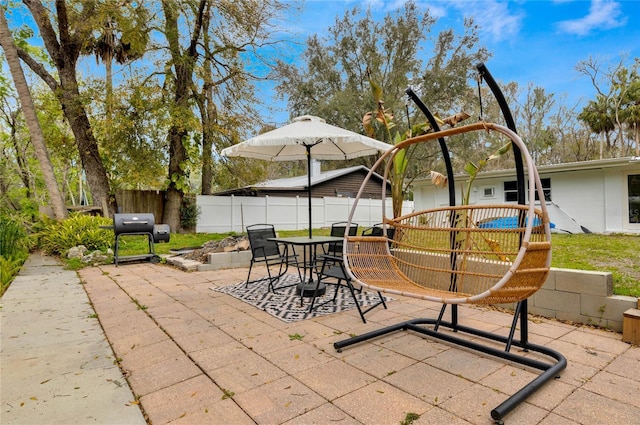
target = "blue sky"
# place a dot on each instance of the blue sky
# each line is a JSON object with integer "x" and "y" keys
{"x": 531, "y": 41}
{"x": 537, "y": 42}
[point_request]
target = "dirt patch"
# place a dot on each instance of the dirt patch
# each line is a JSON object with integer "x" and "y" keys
{"x": 228, "y": 244}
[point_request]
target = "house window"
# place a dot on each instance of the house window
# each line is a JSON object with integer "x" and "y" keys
{"x": 546, "y": 189}
{"x": 489, "y": 192}
{"x": 511, "y": 190}
{"x": 345, "y": 194}
{"x": 633, "y": 194}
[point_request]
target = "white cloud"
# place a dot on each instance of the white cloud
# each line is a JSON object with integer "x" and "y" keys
{"x": 436, "y": 10}
{"x": 493, "y": 17}
{"x": 603, "y": 14}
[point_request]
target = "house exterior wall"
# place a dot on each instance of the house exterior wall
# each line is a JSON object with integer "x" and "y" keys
{"x": 345, "y": 185}
{"x": 593, "y": 198}
{"x": 348, "y": 186}
{"x": 581, "y": 195}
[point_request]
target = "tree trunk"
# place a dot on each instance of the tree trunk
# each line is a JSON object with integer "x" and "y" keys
{"x": 37, "y": 138}
{"x": 21, "y": 155}
{"x": 172, "y": 204}
{"x": 173, "y": 201}
{"x": 637, "y": 134}
{"x": 207, "y": 162}
{"x": 183, "y": 65}
{"x": 397, "y": 198}
{"x": 64, "y": 54}
{"x": 87, "y": 144}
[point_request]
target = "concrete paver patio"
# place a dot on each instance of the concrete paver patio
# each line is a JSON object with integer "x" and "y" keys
{"x": 193, "y": 355}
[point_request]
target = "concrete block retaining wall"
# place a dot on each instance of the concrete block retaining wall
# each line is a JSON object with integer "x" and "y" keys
{"x": 575, "y": 295}
{"x": 227, "y": 260}
{"x": 581, "y": 296}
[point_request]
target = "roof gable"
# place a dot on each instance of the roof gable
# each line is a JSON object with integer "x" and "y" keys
{"x": 301, "y": 181}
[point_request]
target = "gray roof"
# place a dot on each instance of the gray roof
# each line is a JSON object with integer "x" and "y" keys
{"x": 301, "y": 181}
{"x": 553, "y": 168}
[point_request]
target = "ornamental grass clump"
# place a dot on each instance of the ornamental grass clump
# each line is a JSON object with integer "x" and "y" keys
{"x": 56, "y": 238}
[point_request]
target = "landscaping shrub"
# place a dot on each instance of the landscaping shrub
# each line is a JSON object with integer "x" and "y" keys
{"x": 14, "y": 249}
{"x": 56, "y": 238}
{"x": 189, "y": 213}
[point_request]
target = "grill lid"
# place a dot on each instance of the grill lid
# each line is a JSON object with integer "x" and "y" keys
{"x": 133, "y": 223}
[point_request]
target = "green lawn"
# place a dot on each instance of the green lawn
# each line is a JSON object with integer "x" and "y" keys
{"x": 618, "y": 254}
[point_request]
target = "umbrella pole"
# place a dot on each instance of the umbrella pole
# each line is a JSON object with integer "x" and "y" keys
{"x": 309, "y": 185}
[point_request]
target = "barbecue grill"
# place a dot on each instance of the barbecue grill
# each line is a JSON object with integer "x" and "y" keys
{"x": 138, "y": 224}
{"x": 161, "y": 233}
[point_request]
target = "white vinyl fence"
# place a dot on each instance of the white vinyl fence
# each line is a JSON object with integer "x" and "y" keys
{"x": 220, "y": 214}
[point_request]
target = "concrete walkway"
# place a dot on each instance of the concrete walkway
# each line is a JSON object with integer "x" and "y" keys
{"x": 57, "y": 365}
{"x": 192, "y": 355}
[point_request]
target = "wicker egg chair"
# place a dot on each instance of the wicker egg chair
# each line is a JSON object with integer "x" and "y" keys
{"x": 481, "y": 254}
{"x": 463, "y": 254}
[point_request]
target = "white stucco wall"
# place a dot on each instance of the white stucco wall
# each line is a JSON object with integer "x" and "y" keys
{"x": 591, "y": 196}
{"x": 581, "y": 195}
{"x": 616, "y": 210}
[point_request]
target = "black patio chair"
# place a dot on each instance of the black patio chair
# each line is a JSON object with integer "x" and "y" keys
{"x": 337, "y": 229}
{"x": 265, "y": 251}
{"x": 333, "y": 268}
{"x": 378, "y": 230}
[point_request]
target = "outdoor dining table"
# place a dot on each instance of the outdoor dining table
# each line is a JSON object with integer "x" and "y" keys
{"x": 307, "y": 288}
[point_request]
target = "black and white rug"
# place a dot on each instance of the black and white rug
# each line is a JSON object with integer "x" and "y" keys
{"x": 285, "y": 304}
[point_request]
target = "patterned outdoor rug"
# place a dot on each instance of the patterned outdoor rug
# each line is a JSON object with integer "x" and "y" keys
{"x": 285, "y": 304}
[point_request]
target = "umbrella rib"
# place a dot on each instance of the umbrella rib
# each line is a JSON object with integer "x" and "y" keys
{"x": 310, "y": 145}
{"x": 340, "y": 149}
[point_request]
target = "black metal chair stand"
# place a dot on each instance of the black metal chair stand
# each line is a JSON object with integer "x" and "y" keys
{"x": 431, "y": 328}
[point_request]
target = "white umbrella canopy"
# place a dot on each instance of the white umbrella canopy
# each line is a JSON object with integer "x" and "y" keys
{"x": 306, "y": 136}
{"x": 292, "y": 142}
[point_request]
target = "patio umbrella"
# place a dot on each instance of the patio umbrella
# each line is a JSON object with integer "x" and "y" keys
{"x": 306, "y": 136}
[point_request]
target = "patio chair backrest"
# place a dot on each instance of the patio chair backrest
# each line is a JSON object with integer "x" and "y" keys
{"x": 337, "y": 229}
{"x": 378, "y": 230}
{"x": 261, "y": 247}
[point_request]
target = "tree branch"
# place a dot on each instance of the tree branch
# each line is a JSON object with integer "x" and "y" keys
{"x": 39, "y": 69}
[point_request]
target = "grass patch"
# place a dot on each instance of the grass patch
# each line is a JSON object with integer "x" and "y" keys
{"x": 617, "y": 254}
{"x": 410, "y": 418}
{"x": 296, "y": 337}
{"x": 138, "y": 244}
{"x": 74, "y": 264}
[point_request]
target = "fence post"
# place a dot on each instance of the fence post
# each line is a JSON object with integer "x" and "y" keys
{"x": 242, "y": 228}
{"x": 233, "y": 211}
{"x": 324, "y": 211}
{"x": 297, "y": 212}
